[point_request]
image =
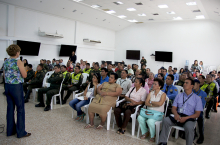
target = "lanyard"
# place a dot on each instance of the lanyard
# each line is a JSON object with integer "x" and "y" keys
{"x": 198, "y": 92}
{"x": 122, "y": 82}
{"x": 186, "y": 99}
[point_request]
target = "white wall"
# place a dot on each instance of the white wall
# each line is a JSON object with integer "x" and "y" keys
{"x": 188, "y": 40}
{"x": 27, "y": 22}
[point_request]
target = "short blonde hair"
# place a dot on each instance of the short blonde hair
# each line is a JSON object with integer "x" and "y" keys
{"x": 13, "y": 49}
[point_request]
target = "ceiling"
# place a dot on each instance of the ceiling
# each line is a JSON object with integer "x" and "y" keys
{"x": 82, "y": 11}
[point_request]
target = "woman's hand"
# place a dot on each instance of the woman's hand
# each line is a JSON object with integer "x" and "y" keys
{"x": 103, "y": 94}
{"x": 85, "y": 98}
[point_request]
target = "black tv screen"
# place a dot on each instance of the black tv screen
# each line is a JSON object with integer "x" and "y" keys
{"x": 163, "y": 56}
{"x": 66, "y": 50}
{"x": 29, "y": 48}
{"x": 133, "y": 54}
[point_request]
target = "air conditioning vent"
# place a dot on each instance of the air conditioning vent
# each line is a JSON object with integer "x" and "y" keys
{"x": 155, "y": 14}
{"x": 196, "y": 11}
{"x": 139, "y": 4}
{"x": 150, "y": 19}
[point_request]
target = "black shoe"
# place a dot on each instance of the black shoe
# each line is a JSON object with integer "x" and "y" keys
{"x": 200, "y": 140}
{"x": 218, "y": 105}
{"x": 47, "y": 108}
{"x": 215, "y": 111}
{"x": 58, "y": 101}
{"x": 174, "y": 133}
{"x": 182, "y": 134}
{"x": 63, "y": 102}
{"x": 26, "y": 100}
{"x": 2, "y": 83}
{"x": 207, "y": 116}
{"x": 162, "y": 143}
{"x": 39, "y": 105}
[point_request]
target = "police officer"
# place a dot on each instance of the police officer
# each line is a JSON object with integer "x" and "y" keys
{"x": 171, "y": 91}
{"x": 30, "y": 75}
{"x": 87, "y": 69}
{"x": 181, "y": 80}
{"x": 76, "y": 81}
{"x": 92, "y": 72}
{"x": 109, "y": 70}
{"x": 55, "y": 81}
{"x": 211, "y": 95}
{"x": 200, "y": 119}
{"x": 175, "y": 74}
{"x": 46, "y": 68}
{"x": 66, "y": 76}
{"x": 143, "y": 70}
{"x": 143, "y": 61}
{"x": 36, "y": 82}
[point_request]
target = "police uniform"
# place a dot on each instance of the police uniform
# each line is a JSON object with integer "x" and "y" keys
{"x": 55, "y": 82}
{"x": 144, "y": 62}
{"x": 109, "y": 73}
{"x": 200, "y": 119}
{"x": 176, "y": 76}
{"x": 66, "y": 81}
{"x": 119, "y": 73}
{"x": 86, "y": 71}
{"x": 143, "y": 72}
{"x": 36, "y": 82}
{"x": 46, "y": 68}
{"x": 89, "y": 78}
{"x": 30, "y": 75}
{"x": 212, "y": 94}
{"x": 76, "y": 81}
{"x": 179, "y": 83}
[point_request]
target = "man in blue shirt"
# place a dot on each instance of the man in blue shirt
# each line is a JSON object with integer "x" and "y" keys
{"x": 104, "y": 76}
{"x": 200, "y": 119}
{"x": 169, "y": 88}
{"x": 186, "y": 108}
{"x": 165, "y": 74}
{"x": 175, "y": 74}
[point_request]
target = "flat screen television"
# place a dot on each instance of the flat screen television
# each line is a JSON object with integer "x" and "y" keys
{"x": 66, "y": 50}
{"x": 29, "y": 48}
{"x": 163, "y": 56}
{"x": 133, "y": 54}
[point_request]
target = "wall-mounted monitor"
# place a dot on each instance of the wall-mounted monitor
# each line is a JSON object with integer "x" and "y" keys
{"x": 66, "y": 50}
{"x": 163, "y": 56}
{"x": 133, "y": 54}
{"x": 29, "y": 48}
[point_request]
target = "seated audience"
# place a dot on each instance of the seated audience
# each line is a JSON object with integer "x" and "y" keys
{"x": 217, "y": 88}
{"x": 159, "y": 71}
{"x": 83, "y": 66}
{"x": 87, "y": 69}
{"x": 54, "y": 62}
{"x": 102, "y": 66}
{"x": 204, "y": 87}
{"x": 106, "y": 98}
{"x": 117, "y": 67}
{"x": 186, "y": 108}
{"x": 55, "y": 81}
{"x": 150, "y": 80}
{"x": 165, "y": 74}
{"x": 105, "y": 65}
{"x": 104, "y": 76}
{"x": 45, "y": 69}
{"x": 124, "y": 83}
{"x": 110, "y": 69}
{"x": 170, "y": 69}
{"x": 76, "y": 81}
{"x": 25, "y": 64}
{"x": 61, "y": 62}
{"x": 81, "y": 63}
{"x": 30, "y": 73}
{"x": 130, "y": 71}
{"x": 91, "y": 91}
{"x": 93, "y": 65}
{"x": 181, "y": 80}
{"x": 140, "y": 76}
{"x": 181, "y": 71}
{"x": 69, "y": 67}
{"x": 50, "y": 66}
{"x": 147, "y": 73}
{"x": 120, "y": 68}
{"x": 169, "y": 88}
{"x": 200, "y": 119}
{"x": 137, "y": 72}
{"x": 143, "y": 70}
{"x": 175, "y": 74}
{"x": 35, "y": 82}
{"x": 113, "y": 67}
{"x": 57, "y": 62}
{"x": 154, "y": 112}
{"x": 134, "y": 97}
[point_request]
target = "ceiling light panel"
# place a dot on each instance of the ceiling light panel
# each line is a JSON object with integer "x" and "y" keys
{"x": 141, "y": 15}
{"x": 95, "y": 6}
{"x": 77, "y": 0}
{"x": 133, "y": 21}
{"x": 177, "y": 18}
{"x": 122, "y": 16}
{"x": 172, "y": 12}
{"x": 131, "y": 9}
{"x": 110, "y": 12}
{"x": 200, "y": 17}
{"x": 163, "y": 6}
{"x": 191, "y": 3}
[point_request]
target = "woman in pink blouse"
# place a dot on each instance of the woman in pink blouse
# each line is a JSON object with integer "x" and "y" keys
{"x": 150, "y": 80}
{"x": 134, "y": 97}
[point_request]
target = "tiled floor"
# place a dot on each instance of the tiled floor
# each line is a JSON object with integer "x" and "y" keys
{"x": 57, "y": 127}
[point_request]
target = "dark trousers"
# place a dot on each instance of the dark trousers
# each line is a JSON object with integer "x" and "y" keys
{"x": 49, "y": 92}
{"x": 209, "y": 107}
{"x": 15, "y": 97}
{"x": 127, "y": 115}
{"x": 69, "y": 91}
{"x": 214, "y": 104}
{"x": 201, "y": 124}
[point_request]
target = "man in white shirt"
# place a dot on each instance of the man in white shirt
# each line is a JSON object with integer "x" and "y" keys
{"x": 124, "y": 83}
{"x": 130, "y": 71}
{"x": 61, "y": 62}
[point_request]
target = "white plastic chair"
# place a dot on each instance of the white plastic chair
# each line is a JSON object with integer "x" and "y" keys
{"x": 157, "y": 123}
{"x": 133, "y": 116}
{"x": 47, "y": 76}
{"x": 175, "y": 82}
{"x": 54, "y": 97}
{"x": 180, "y": 89}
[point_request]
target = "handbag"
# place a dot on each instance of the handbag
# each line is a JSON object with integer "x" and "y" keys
{"x": 124, "y": 105}
{"x": 152, "y": 114}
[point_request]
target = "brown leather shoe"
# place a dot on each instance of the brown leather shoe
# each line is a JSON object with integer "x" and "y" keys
{"x": 27, "y": 135}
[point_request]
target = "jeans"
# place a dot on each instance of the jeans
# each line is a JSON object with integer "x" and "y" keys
{"x": 76, "y": 104}
{"x": 15, "y": 97}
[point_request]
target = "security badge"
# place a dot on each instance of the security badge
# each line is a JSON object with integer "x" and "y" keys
{"x": 61, "y": 75}
{"x": 52, "y": 76}
{"x": 171, "y": 90}
{"x": 200, "y": 96}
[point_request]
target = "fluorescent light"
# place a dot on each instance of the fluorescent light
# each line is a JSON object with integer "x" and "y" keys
{"x": 172, "y": 12}
{"x": 110, "y": 12}
{"x": 77, "y": 0}
{"x": 95, "y": 6}
{"x": 132, "y": 21}
{"x": 200, "y": 17}
{"x": 177, "y": 18}
{"x": 131, "y": 9}
{"x": 191, "y": 3}
{"x": 162, "y": 6}
{"x": 122, "y": 16}
{"x": 142, "y": 14}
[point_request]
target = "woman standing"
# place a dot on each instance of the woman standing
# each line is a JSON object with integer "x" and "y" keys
{"x": 154, "y": 112}
{"x": 201, "y": 66}
{"x": 14, "y": 74}
{"x": 195, "y": 66}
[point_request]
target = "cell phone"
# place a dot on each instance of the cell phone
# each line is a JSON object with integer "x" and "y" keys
{"x": 21, "y": 58}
